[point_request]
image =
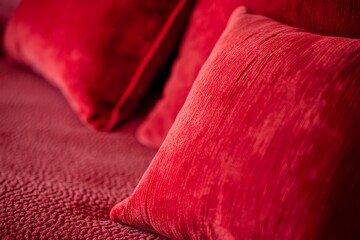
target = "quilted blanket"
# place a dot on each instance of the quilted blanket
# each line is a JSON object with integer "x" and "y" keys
{"x": 59, "y": 179}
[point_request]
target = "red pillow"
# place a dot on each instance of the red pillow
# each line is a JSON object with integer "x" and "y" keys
{"x": 266, "y": 145}
{"x": 335, "y": 17}
{"x": 208, "y": 18}
{"x": 101, "y": 54}
{"x": 326, "y": 17}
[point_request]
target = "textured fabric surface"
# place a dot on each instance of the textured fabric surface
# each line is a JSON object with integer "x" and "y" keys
{"x": 326, "y": 17}
{"x": 266, "y": 145}
{"x": 207, "y": 22}
{"x": 102, "y": 55}
{"x": 333, "y": 17}
{"x": 58, "y": 179}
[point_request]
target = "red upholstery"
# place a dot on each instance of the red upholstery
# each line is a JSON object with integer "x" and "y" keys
{"x": 59, "y": 179}
{"x": 266, "y": 146}
{"x": 326, "y": 17}
{"x": 194, "y": 50}
{"x": 101, "y": 54}
{"x": 330, "y": 17}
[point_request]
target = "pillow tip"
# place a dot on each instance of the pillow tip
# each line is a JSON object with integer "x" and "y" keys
{"x": 114, "y": 213}
{"x": 242, "y": 10}
{"x": 145, "y": 137}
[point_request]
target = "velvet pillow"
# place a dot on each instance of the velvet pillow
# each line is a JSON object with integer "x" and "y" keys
{"x": 334, "y": 17}
{"x": 208, "y": 18}
{"x": 266, "y": 146}
{"x": 101, "y": 54}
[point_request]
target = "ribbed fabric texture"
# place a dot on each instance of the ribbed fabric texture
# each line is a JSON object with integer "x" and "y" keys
{"x": 267, "y": 145}
{"x": 58, "y": 179}
{"x": 102, "y": 55}
{"x": 329, "y": 17}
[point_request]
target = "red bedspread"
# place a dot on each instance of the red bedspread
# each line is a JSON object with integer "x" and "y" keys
{"x": 59, "y": 179}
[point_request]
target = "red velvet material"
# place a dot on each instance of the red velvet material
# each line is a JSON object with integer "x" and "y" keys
{"x": 101, "y": 54}
{"x": 266, "y": 145}
{"x": 206, "y": 24}
{"x": 326, "y": 17}
{"x": 334, "y": 17}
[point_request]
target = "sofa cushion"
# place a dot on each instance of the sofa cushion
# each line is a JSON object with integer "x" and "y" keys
{"x": 102, "y": 55}
{"x": 335, "y": 17}
{"x": 59, "y": 179}
{"x": 266, "y": 145}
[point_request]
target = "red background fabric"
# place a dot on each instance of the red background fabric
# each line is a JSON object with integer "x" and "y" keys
{"x": 335, "y": 17}
{"x": 325, "y": 17}
{"x": 266, "y": 145}
{"x": 102, "y": 56}
{"x": 6, "y": 9}
{"x": 58, "y": 179}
